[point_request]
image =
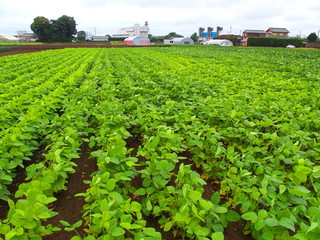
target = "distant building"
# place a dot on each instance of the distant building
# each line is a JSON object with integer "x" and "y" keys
{"x": 27, "y": 37}
{"x": 254, "y": 33}
{"x": 209, "y": 34}
{"x": 135, "y": 30}
{"x": 277, "y": 32}
{"x": 179, "y": 40}
{"x": 100, "y": 38}
{"x": 9, "y": 38}
{"x": 137, "y": 41}
{"x": 220, "y": 42}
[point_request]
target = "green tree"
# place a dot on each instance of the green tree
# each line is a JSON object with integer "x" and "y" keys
{"x": 172, "y": 35}
{"x": 194, "y": 37}
{"x": 81, "y": 36}
{"x": 63, "y": 29}
{"x": 312, "y": 37}
{"x": 60, "y": 30}
{"x": 41, "y": 27}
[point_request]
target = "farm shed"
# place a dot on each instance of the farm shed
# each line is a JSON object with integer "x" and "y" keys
{"x": 28, "y": 37}
{"x": 137, "y": 40}
{"x": 9, "y": 38}
{"x": 220, "y": 42}
{"x": 100, "y": 38}
{"x": 179, "y": 40}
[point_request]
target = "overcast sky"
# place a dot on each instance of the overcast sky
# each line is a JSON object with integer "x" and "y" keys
{"x": 103, "y": 17}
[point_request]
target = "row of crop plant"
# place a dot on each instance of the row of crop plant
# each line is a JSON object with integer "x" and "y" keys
{"x": 198, "y": 117}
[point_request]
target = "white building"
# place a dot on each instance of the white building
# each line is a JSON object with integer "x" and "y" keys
{"x": 28, "y": 37}
{"x": 100, "y": 38}
{"x": 220, "y": 42}
{"x": 135, "y": 30}
{"x": 179, "y": 40}
{"x": 9, "y": 38}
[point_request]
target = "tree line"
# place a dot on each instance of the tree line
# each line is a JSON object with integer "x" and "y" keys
{"x": 63, "y": 29}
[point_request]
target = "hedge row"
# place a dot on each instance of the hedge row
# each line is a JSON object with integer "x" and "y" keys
{"x": 274, "y": 42}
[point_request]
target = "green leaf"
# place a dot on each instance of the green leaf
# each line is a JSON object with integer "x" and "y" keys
{"x": 10, "y": 234}
{"x": 205, "y": 204}
{"x": 135, "y": 206}
{"x": 125, "y": 225}
{"x": 258, "y": 225}
{"x": 105, "y": 177}
{"x": 4, "y": 228}
{"x": 217, "y": 236}
{"x": 151, "y": 232}
{"x": 76, "y": 238}
{"x": 149, "y": 205}
{"x": 263, "y": 213}
{"x": 118, "y": 231}
{"x": 282, "y": 189}
{"x": 271, "y": 222}
{"x": 301, "y": 236}
{"x": 313, "y": 226}
{"x": 6, "y": 178}
{"x": 194, "y": 195}
{"x": 220, "y": 209}
{"x": 168, "y": 226}
{"x": 111, "y": 184}
{"x": 233, "y": 216}
{"x": 215, "y": 198}
{"x": 77, "y": 224}
{"x": 20, "y": 231}
{"x": 65, "y": 223}
{"x": 249, "y": 216}
{"x": 202, "y": 231}
{"x": 140, "y": 191}
{"x": 299, "y": 191}
{"x": 90, "y": 237}
{"x": 287, "y": 223}
{"x": 267, "y": 235}
{"x": 156, "y": 210}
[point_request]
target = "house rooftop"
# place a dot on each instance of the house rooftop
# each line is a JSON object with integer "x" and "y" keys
{"x": 28, "y": 35}
{"x": 254, "y": 31}
{"x": 278, "y": 30}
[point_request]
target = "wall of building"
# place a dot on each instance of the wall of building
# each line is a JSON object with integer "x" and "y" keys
{"x": 135, "y": 30}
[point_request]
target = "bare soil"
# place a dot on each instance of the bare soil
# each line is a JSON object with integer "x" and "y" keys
{"x": 20, "y": 49}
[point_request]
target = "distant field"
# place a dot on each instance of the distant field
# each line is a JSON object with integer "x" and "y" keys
{"x": 182, "y": 142}
{"x": 19, "y": 43}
